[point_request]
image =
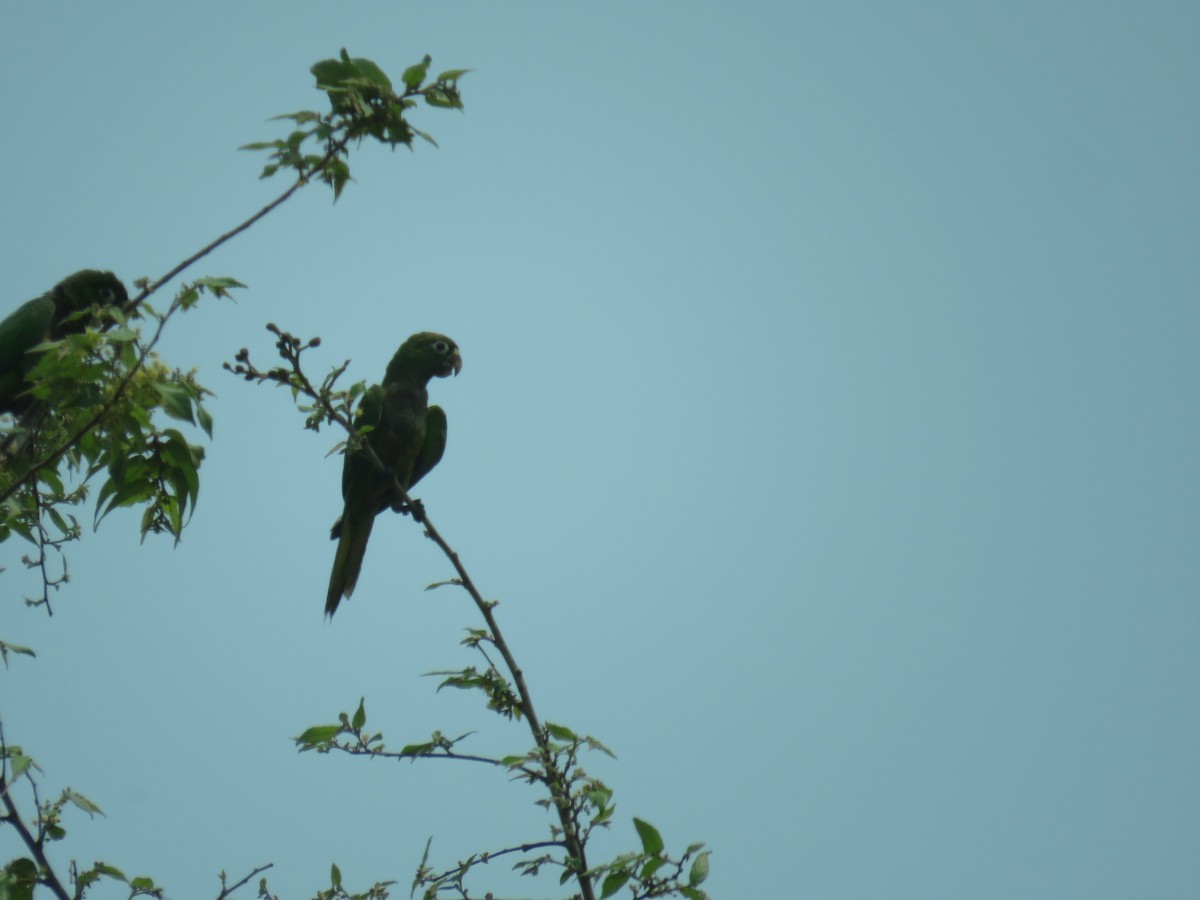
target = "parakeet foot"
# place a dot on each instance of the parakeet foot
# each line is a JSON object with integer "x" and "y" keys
{"x": 414, "y": 508}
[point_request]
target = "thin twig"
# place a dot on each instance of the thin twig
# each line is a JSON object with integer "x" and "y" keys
{"x": 41, "y": 545}
{"x": 396, "y": 754}
{"x": 485, "y": 858}
{"x": 227, "y": 890}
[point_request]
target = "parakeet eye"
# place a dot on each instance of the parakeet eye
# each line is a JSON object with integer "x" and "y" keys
{"x": 108, "y": 295}
{"x": 441, "y": 347}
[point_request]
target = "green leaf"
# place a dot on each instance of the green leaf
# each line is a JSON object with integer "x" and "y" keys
{"x": 110, "y": 487}
{"x": 368, "y": 70}
{"x": 110, "y": 871}
{"x": 176, "y": 402}
{"x": 19, "y": 762}
{"x": 613, "y": 882}
{"x": 425, "y": 137}
{"x": 360, "y": 716}
{"x": 439, "y": 98}
{"x": 122, "y": 335}
{"x": 333, "y": 72}
{"x": 205, "y": 419}
{"x": 600, "y": 797}
{"x": 59, "y": 522}
{"x": 220, "y": 285}
{"x": 418, "y": 749}
{"x": 50, "y": 478}
{"x": 652, "y": 842}
{"x": 142, "y": 883}
{"x": 699, "y": 870}
{"x": 83, "y": 802}
{"x": 335, "y": 876}
{"x": 318, "y": 735}
{"x": 128, "y": 494}
{"x": 594, "y": 744}
{"x": 414, "y": 75}
{"x": 5, "y": 649}
{"x": 561, "y": 732}
{"x": 336, "y": 174}
{"x": 453, "y": 74}
{"x": 651, "y": 866}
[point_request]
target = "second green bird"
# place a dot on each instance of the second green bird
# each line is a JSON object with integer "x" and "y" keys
{"x": 48, "y": 318}
{"x": 407, "y": 434}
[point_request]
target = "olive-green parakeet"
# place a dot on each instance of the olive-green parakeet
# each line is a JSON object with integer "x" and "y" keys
{"x": 407, "y": 435}
{"x": 44, "y": 319}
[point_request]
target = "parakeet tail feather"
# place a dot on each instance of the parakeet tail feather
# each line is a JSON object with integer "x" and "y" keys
{"x": 347, "y": 563}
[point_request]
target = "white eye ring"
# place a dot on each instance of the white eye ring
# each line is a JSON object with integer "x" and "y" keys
{"x": 441, "y": 347}
{"x": 108, "y": 295}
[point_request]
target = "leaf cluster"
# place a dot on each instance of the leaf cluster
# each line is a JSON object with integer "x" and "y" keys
{"x": 648, "y": 872}
{"x": 102, "y": 401}
{"x": 363, "y": 103}
{"x": 651, "y": 872}
{"x": 22, "y": 874}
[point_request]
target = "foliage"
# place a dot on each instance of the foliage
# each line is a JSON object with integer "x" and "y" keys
{"x": 103, "y": 407}
{"x": 101, "y": 398}
{"x": 363, "y": 104}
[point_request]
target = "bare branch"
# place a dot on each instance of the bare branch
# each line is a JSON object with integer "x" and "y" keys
{"x": 227, "y": 889}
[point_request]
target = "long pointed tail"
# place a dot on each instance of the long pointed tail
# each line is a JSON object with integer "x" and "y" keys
{"x": 347, "y": 562}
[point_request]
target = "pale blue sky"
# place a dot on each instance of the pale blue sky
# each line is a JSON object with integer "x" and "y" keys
{"x": 828, "y": 432}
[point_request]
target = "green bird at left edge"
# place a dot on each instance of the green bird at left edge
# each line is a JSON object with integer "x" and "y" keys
{"x": 49, "y": 318}
{"x": 407, "y": 435}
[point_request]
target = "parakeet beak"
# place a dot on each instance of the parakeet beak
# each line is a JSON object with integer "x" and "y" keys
{"x": 456, "y": 363}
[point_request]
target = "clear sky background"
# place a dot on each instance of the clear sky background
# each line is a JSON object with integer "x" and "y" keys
{"x": 828, "y": 432}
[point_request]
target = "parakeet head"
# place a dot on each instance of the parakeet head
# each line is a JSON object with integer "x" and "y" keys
{"x": 89, "y": 287}
{"x": 428, "y": 353}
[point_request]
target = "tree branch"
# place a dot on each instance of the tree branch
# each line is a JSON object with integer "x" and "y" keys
{"x": 290, "y": 347}
{"x": 12, "y": 816}
{"x": 226, "y": 890}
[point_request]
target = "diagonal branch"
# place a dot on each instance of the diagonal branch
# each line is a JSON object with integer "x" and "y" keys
{"x": 290, "y": 348}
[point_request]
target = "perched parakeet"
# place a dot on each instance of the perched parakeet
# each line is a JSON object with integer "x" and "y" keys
{"x": 44, "y": 319}
{"x": 407, "y": 435}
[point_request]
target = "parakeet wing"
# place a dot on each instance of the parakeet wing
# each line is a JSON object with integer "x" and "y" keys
{"x": 433, "y": 447}
{"x": 25, "y": 327}
{"x": 368, "y": 412}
